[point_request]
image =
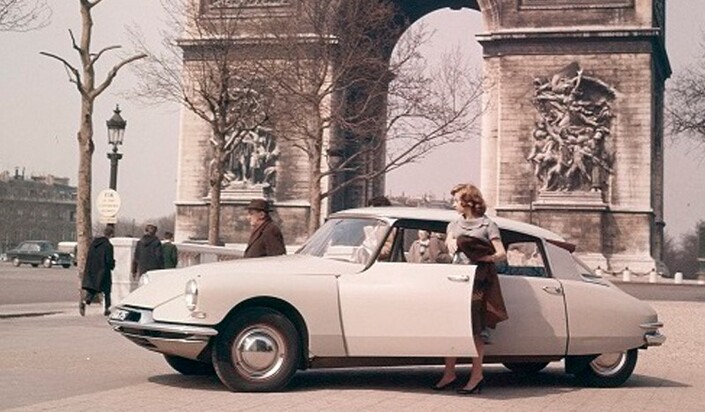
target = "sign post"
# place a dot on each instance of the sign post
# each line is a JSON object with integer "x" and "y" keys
{"x": 108, "y": 205}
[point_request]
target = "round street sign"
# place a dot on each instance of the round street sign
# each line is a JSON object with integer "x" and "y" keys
{"x": 108, "y": 203}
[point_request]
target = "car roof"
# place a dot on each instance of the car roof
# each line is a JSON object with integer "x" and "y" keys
{"x": 445, "y": 215}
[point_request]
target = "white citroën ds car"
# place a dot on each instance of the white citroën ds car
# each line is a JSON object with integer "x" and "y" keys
{"x": 335, "y": 303}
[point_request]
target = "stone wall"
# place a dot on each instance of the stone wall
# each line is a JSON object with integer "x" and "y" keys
{"x": 615, "y": 44}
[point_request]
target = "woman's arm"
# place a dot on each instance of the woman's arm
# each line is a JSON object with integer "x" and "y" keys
{"x": 499, "y": 255}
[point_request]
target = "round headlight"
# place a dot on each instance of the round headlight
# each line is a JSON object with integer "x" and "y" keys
{"x": 191, "y": 295}
{"x": 144, "y": 279}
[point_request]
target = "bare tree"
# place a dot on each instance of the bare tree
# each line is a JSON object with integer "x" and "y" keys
{"x": 686, "y": 101}
{"x": 24, "y": 15}
{"x": 353, "y": 110}
{"x": 85, "y": 82}
{"x": 201, "y": 66}
{"x": 682, "y": 255}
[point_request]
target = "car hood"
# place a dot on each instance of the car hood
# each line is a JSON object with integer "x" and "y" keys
{"x": 165, "y": 285}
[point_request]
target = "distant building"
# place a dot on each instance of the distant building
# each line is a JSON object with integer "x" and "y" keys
{"x": 426, "y": 200}
{"x": 38, "y": 208}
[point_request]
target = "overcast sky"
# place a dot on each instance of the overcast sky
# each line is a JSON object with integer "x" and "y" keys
{"x": 39, "y": 113}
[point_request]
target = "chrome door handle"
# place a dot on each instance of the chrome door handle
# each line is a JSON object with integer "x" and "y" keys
{"x": 462, "y": 278}
{"x": 553, "y": 290}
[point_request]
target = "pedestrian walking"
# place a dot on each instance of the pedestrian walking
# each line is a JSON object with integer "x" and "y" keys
{"x": 97, "y": 276}
{"x": 148, "y": 253}
{"x": 170, "y": 251}
{"x": 266, "y": 238}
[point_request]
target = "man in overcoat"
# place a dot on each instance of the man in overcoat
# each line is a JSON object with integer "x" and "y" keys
{"x": 148, "y": 253}
{"x": 170, "y": 251}
{"x": 266, "y": 238}
{"x": 97, "y": 276}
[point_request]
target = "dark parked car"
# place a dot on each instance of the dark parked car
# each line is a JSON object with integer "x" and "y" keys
{"x": 38, "y": 252}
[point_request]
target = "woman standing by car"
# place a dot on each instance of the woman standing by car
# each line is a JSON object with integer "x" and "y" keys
{"x": 478, "y": 237}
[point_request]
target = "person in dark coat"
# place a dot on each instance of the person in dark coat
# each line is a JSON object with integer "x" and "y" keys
{"x": 170, "y": 251}
{"x": 148, "y": 253}
{"x": 97, "y": 277}
{"x": 266, "y": 238}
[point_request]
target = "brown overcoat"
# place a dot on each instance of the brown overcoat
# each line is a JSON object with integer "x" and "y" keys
{"x": 486, "y": 286}
{"x": 265, "y": 240}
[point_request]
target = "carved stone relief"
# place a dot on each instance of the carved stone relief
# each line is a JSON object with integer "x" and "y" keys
{"x": 253, "y": 162}
{"x": 572, "y": 136}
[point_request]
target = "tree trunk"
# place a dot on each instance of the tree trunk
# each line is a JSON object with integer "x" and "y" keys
{"x": 214, "y": 209}
{"x": 315, "y": 195}
{"x": 85, "y": 171}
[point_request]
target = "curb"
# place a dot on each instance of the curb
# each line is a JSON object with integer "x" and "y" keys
{"x": 26, "y": 310}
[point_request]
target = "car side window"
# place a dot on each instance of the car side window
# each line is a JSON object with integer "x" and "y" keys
{"x": 524, "y": 258}
{"x": 421, "y": 245}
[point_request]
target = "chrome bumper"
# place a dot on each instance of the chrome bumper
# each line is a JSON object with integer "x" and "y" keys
{"x": 652, "y": 337}
{"x": 139, "y": 326}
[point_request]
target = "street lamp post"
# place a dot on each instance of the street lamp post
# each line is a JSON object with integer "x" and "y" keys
{"x": 116, "y": 132}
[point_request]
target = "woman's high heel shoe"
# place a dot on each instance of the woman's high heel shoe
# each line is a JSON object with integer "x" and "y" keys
{"x": 443, "y": 387}
{"x": 477, "y": 388}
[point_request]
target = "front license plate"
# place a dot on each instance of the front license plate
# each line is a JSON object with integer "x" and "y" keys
{"x": 119, "y": 314}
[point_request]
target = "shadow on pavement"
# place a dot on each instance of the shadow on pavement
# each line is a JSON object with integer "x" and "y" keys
{"x": 176, "y": 380}
{"x": 500, "y": 383}
{"x": 644, "y": 381}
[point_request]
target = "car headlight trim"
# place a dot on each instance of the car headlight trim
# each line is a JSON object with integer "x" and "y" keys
{"x": 191, "y": 295}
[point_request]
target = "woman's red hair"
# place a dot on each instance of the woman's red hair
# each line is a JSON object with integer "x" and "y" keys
{"x": 470, "y": 196}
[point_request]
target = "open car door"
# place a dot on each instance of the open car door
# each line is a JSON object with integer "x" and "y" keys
{"x": 406, "y": 309}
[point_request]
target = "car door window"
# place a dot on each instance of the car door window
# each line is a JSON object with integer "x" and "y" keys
{"x": 524, "y": 258}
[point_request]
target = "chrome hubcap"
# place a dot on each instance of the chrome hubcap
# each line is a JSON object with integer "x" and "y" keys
{"x": 608, "y": 363}
{"x": 259, "y": 352}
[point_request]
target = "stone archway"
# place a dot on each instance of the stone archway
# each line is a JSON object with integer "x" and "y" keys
{"x": 577, "y": 93}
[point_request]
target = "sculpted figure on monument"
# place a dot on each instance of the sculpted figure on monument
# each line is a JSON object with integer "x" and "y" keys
{"x": 253, "y": 160}
{"x": 570, "y": 139}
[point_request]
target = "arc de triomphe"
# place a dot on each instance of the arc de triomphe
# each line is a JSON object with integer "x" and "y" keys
{"x": 572, "y": 137}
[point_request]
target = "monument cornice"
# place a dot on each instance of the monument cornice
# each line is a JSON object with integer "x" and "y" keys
{"x": 583, "y": 40}
{"x": 254, "y": 46}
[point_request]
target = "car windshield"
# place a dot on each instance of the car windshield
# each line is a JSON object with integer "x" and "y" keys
{"x": 354, "y": 240}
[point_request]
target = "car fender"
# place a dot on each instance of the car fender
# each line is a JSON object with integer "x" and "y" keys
{"x": 315, "y": 297}
{"x": 604, "y": 319}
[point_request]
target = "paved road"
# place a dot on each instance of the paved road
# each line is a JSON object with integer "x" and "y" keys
{"x": 68, "y": 363}
{"x": 26, "y": 284}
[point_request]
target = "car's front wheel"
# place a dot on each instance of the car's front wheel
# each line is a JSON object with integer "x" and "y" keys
{"x": 189, "y": 367}
{"x": 257, "y": 350}
{"x": 46, "y": 263}
{"x": 16, "y": 261}
{"x": 525, "y": 367}
{"x": 609, "y": 370}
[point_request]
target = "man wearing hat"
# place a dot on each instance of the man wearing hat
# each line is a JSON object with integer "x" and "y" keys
{"x": 265, "y": 239}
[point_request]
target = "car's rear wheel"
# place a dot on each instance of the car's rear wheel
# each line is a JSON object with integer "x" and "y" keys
{"x": 46, "y": 263}
{"x": 525, "y": 367}
{"x": 189, "y": 367}
{"x": 609, "y": 370}
{"x": 257, "y": 350}
{"x": 66, "y": 266}
{"x": 16, "y": 261}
